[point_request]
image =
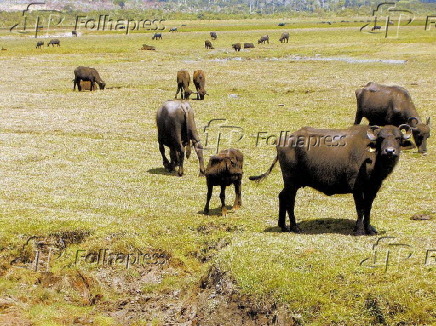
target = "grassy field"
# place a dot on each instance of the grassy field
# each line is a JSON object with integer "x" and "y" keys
{"x": 81, "y": 173}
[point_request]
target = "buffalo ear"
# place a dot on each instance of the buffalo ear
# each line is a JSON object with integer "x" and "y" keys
{"x": 408, "y": 130}
{"x": 412, "y": 121}
{"x": 372, "y": 132}
{"x": 428, "y": 121}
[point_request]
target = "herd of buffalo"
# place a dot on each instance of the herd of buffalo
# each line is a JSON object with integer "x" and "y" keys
{"x": 333, "y": 161}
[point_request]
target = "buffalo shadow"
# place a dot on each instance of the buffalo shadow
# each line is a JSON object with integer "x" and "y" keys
{"x": 322, "y": 226}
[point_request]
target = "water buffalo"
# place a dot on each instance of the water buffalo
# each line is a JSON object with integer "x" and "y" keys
{"x": 223, "y": 170}
{"x": 87, "y": 74}
{"x": 248, "y": 46}
{"x": 148, "y": 47}
{"x": 74, "y": 33}
{"x": 39, "y": 44}
{"x": 183, "y": 80}
{"x": 173, "y": 29}
{"x": 391, "y": 105}
{"x": 284, "y": 37}
{"x": 176, "y": 129}
{"x": 157, "y": 36}
{"x": 337, "y": 162}
{"x": 208, "y": 44}
{"x": 263, "y": 39}
{"x": 213, "y": 35}
{"x": 53, "y": 42}
{"x": 237, "y": 47}
{"x": 199, "y": 80}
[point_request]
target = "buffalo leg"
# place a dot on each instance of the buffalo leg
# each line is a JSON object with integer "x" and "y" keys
{"x": 180, "y": 158}
{"x": 177, "y": 92}
{"x": 238, "y": 200}
{"x": 165, "y": 161}
{"x": 358, "y": 117}
{"x": 287, "y": 204}
{"x": 199, "y": 150}
{"x": 358, "y": 201}
{"x": 173, "y": 159}
{"x": 223, "y": 199}
{"x": 79, "y": 87}
{"x": 369, "y": 199}
{"x": 209, "y": 195}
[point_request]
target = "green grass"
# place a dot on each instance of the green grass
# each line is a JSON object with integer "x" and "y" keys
{"x": 88, "y": 163}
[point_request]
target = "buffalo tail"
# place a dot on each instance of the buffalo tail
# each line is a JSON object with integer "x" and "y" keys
{"x": 259, "y": 178}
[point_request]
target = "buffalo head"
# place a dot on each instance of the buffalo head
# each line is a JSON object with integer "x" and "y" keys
{"x": 102, "y": 85}
{"x": 421, "y": 131}
{"x": 387, "y": 140}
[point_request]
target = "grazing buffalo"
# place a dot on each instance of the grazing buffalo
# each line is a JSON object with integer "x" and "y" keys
{"x": 391, "y": 105}
{"x": 248, "y": 46}
{"x": 39, "y": 44}
{"x": 213, "y": 35}
{"x": 147, "y": 47}
{"x": 376, "y": 27}
{"x": 74, "y": 33}
{"x": 208, "y": 44}
{"x": 284, "y": 37}
{"x": 54, "y": 42}
{"x": 173, "y": 29}
{"x": 176, "y": 129}
{"x": 183, "y": 80}
{"x": 87, "y": 74}
{"x": 223, "y": 170}
{"x": 157, "y": 36}
{"x": 263, "y": 39}
{"x": 199, "y": 80}
{"x": 337, "y": 162}
{"x": 237, "y": 47}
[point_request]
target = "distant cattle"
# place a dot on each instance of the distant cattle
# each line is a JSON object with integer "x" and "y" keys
{"x": 147, "y": 47}
{"x": 208, "y": 44}
{"x": 157, "y": 36}
{"x": 376, "y": 27}
{"x": 199, "y": 80}
{"x": 263, "y": 39}
{"x": 281, "y": 24}
{"x": 224, "y": 170}
{"x": 391, "y": 105}
{"x": 74, "y": 33}
{"x": 284, "y": 37}
{"x": 87, "y": 74}
{"x": 173, "y": 29}
{"x": 248, "y": 46}
{"x": 54, "y": 42}
{"x": 183, "y": 80}
{"x": 176, "y": 129}
{"x": 39, "y": 44}
{"x": 337, "y": 161}
{"x": 213, "y": 35}
{"x": 237, "y": 47}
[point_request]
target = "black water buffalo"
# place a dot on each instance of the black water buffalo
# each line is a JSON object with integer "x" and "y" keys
{"x": 157, "y": 36}
{"x": 284, "y": 37}
{"x": 391, "y": 105}
{"x": 87, "y": 74}
{"x": 208, "y": 44}
{"x": 199, "y": 80}
{"x": 213, "y": 35}
{"x": 237, "y": 47}
{"x": 337, "y": 162}
{"x": 74, "y": 33}
{"x": 223, "y": 170}
{"x": 176, "y": 129}
{"x": 39, "y": 44}
{"x": 248, "y": 46}
{"x": 183, "y": 80}
{"x": 263, "y": 39}
{"x": 173, "y": 29}
{"x": 54, "y": 42}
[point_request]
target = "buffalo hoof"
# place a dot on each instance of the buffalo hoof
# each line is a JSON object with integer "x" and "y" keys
{"x": 180, "y": 172}
{"x": 371, "y": 231}
{"x": 358, "y": 232}
{"x": 295, "y": 229}
{"x": 206, "y": 211}
{"x": 235, "y": 207}
{"x": 224, "y": 211}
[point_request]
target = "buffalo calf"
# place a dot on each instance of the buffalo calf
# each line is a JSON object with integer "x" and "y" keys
{"x": 208, "y": 44}
{"x": 54, "y": 42}
{"x": 284, "y": 37}
{"x": 248, "y": 46}
{"x": 183, "y": 80}
{"x": 263, "y": 39}
{"x": 39, "y": 44}
{"x": 237, "y": 47}
{"x": 224, "y": 170}
{"x": 199, "y": 80}
{"x": 213, "y": 35}
{"x": 157, "y": 36}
